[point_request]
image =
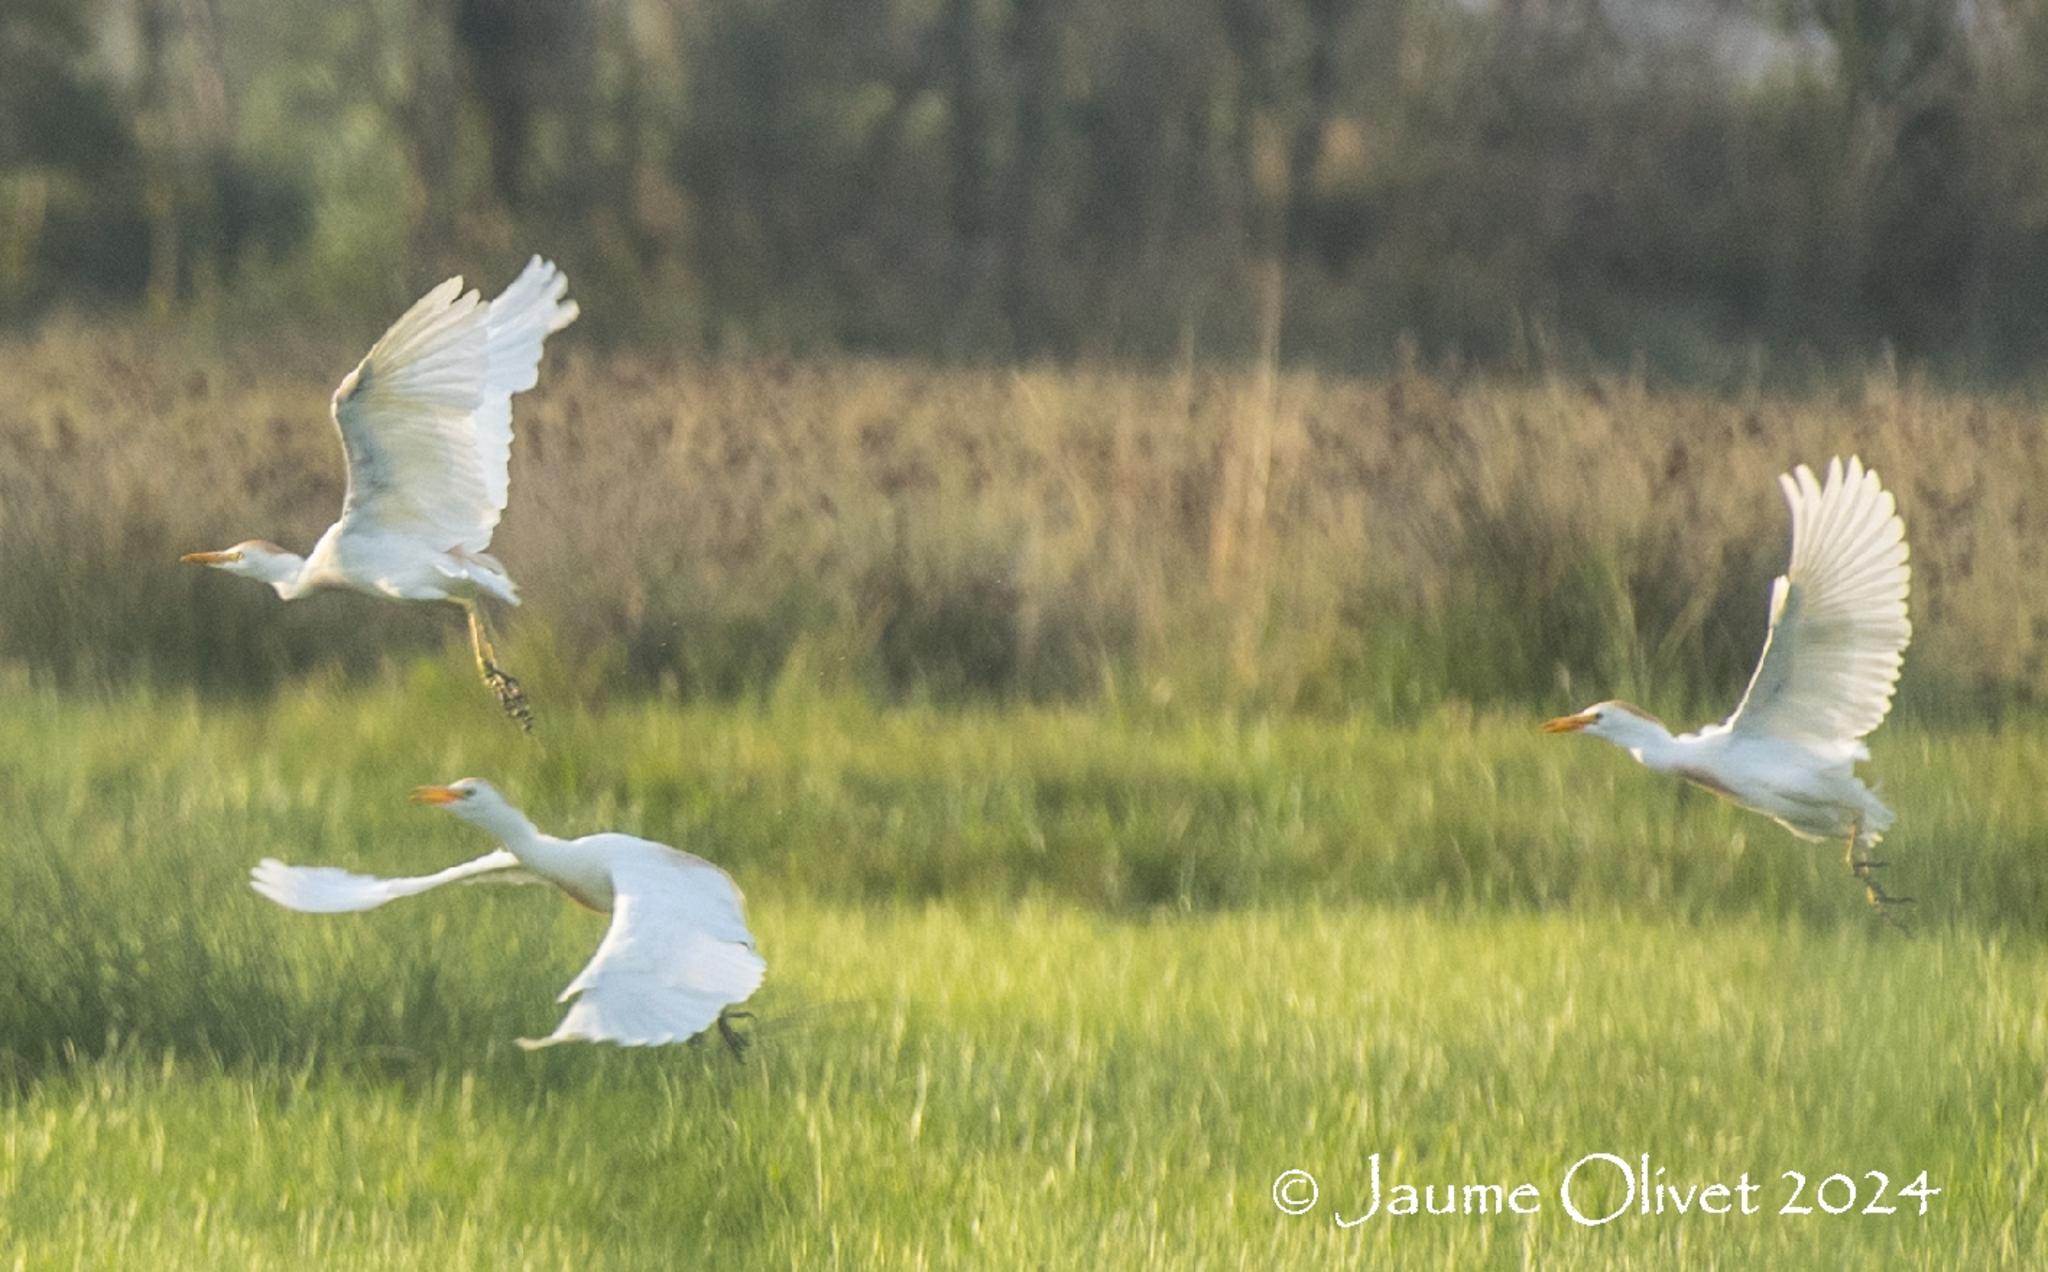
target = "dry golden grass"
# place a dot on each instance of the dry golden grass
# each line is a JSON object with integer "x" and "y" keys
{"x": 1194, "y": 536}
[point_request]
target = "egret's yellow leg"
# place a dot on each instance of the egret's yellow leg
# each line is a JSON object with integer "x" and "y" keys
{"x": 1873, "y": 891}
{"x": 1860, "y": 867}
{"x": 510, "y": 696}
{"x": 479, "y": 643}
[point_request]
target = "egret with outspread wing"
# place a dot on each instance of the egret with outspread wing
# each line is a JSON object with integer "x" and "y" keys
{"x": 677, "y": 958}
{"x": 426, "y": 427}
{"x": 1838, "y": 636}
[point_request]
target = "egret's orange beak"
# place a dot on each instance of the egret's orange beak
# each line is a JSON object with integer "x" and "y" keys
{"x": 436, "y": 795}
{"x": 1570, "y": 723}
{"x": 207, "y": 558}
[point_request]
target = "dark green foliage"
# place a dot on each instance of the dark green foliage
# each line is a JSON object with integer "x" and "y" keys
{"x": 102, "y": 198}
{"x": 80, "y": 225}
{"x": 1537, "y": 185}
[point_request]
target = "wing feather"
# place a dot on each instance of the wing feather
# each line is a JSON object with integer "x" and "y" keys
{"x": 521, "y": 319}
{"x": 1839, "y": 626}
{"x": 426, "y": 417}
{"x": 677, "y": 953}
{"x": 327, "y": 890}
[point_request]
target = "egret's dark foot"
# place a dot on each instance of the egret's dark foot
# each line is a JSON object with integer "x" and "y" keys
{"x": 1881, "y": 901}
{"x": 735, "y": 1041}
{"x": 510, "y": 696}
{"x": 1885, "y": 904}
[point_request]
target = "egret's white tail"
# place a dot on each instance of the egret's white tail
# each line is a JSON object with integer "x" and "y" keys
{"x": 482, "y": 572}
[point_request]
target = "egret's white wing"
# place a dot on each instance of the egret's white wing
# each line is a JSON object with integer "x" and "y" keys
{"x": 1838, "y": 614}
{"x": 426, "y": 418}
{"x": 677, "y": 953}
{"x": 520, "y": 320}
{"x": 326, "y": 890}
{"x": 405, "y": 420}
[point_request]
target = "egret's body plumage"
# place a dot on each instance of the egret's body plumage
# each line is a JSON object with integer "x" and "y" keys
{"x": 678, "y": 953}
{"x": 425, "y": 422}
{"x": 1811, "y": 795}
{"x": 1838, "y": 636}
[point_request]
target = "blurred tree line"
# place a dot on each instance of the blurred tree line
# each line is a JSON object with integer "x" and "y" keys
{"x": 1502, "y": 181}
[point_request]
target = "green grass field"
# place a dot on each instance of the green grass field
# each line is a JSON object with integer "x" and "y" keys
{"x": 1045, "y": 988}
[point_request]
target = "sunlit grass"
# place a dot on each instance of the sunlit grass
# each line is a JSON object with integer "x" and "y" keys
{"x": 963, "y": 1084}
{"x": 1045, "y": 987}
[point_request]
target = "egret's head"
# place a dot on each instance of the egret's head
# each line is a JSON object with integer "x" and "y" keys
{"x": 251, "y": 558}
{"x": 472, "y": 799}
{"x": 1615, "y": 721}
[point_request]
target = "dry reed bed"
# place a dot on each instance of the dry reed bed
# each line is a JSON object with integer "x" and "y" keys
{"x": 1295, "y": 540}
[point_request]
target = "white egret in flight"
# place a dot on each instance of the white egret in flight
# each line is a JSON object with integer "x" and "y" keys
{"x": 676, "y": 959}
{"x": 1838, "y": 635}
{"x": 426, "y": 427}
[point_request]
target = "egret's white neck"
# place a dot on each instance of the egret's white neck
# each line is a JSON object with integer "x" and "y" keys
{"x": 1650, "y": 742}
{"x": 285, "y": 571}
{"x": 508, "y": 824}
{"x": 549, "y": 857}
